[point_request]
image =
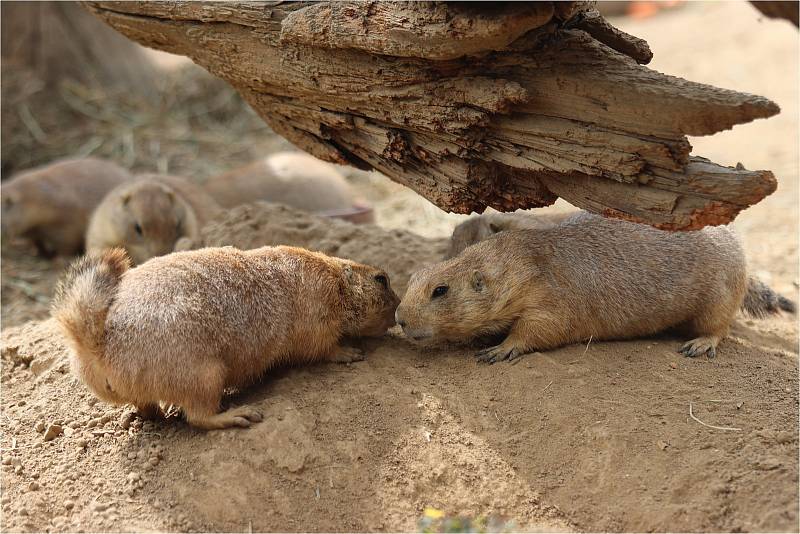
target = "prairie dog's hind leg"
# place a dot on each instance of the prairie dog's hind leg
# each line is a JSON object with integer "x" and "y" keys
{"x": 243, "y": 417}
{"x": 201, "y": 401}
{"x": 710, "y": 326}
{"x": 702, "y": 345}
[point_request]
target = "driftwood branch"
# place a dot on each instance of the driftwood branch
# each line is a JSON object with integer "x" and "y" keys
{"x": 508, "y": 105}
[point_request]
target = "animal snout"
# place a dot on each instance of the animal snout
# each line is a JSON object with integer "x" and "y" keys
{"x": 398, "y": 319}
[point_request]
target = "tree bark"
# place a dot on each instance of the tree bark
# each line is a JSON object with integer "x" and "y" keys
{"x": 508, "y": 105}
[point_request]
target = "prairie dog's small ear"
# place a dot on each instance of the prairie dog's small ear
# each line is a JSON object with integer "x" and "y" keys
{"x": 126, "y": 198}
{"x": 495, "y": 228}
{"x": 348, "y": 272}
{"x": 477, "y": 280}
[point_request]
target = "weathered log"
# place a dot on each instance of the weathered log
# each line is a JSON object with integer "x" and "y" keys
{"x": 789, "y": 10}
{"x": 507, "y": 105}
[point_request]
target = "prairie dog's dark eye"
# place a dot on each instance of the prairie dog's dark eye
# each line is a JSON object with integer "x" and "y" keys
{"x": 439, "y": 291}
{"x": 137, "y": 228}
{"x": 382, "y": 280}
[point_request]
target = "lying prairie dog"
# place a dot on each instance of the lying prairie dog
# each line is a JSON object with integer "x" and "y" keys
{"x": 478, "y": 228}
{"x": 149, "y": 215}
{"x": 51, "y": 205}
{"x": 586, "y": 278}
{"x": 181, "y": 328}
{"x": 294, "y": 179}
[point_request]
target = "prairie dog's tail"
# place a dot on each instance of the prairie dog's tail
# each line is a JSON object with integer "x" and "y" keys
{"x": 760, "y": 300}
{"x": 83, "y": 297}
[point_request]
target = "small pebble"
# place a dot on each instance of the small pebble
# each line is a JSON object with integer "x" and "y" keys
{"x": 39, "y": 427}
{"x": 100, "y": 507}
{"x": 7, "y": 461}
{"x": 133, "y": 476}
{"x": 125, "y": 420}
{"x": 81, "y": 443}
{"x": 18, "y": 470}
{"x": 105, "y": 419}
{"x": 92, "y": 423}
{"x": 22, "y": 511}
{"x": 33, "y": 486}
{"x": 53, "y": 431}
{"x": 153, "y": 461}
{"x": 673, "y": 365}
{"x": 69, "y": 431}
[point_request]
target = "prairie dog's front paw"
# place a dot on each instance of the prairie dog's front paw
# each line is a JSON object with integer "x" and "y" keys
{"x": 348, "y": 355}
{"x": 498, "y": 353}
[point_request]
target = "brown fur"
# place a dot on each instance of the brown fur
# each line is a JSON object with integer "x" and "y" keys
{"x": 291, "y": 178}
{"x": 478, "y": 228}
{"x": 51, "y": 205}
{"x": 181, "y": 328}
{"x": 165, "y": 208}
{"x": 588, "y": 277}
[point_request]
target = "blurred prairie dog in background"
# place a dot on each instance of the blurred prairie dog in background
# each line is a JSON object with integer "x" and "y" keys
{"x": 295, "y": 179}
{"x": 147, "y": 216}
{"x": 181, "y": 328}
{"x": 51, "y": 205}
{"x": 479, "y": 227}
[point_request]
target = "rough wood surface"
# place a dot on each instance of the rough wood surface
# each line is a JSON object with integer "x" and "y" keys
{"x": 507, "y": 105}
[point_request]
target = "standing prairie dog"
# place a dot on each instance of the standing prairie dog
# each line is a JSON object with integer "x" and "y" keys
{"x": 51, "y": 205}
{"x": 294, "y": 179}
{"x": 147, "y": 216}
{"x": 480, "y": 227}
{"x": 181, "y": 328}
{"x": 588, "y": 277}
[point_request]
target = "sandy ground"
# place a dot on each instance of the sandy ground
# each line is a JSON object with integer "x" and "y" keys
{"x": 587, "y": 437}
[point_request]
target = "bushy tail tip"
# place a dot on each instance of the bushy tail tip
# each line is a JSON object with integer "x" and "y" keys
{"x": 760, "y": 300}
{"x": 84, "y": 295}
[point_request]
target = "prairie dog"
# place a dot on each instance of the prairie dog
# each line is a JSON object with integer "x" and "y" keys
{"x": 51, "y": 205}
{"x": 480, "y": 227}
{"x": 147, "y": 216}
{"x": 181, "y": 328}
{"x": 588, "y": 277}
{"x": 294, "y": 179}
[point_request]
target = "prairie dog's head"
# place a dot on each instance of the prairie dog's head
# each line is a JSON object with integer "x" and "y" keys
{"x": 150, "y": 218}
{"x": 448, "y": 301}
{"x": 471, "y": 231}
{"x": 371, "y": 302}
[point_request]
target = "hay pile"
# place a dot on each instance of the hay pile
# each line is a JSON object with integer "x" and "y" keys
{"x": 196, "y": 125}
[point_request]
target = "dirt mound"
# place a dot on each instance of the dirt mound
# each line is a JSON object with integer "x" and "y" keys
{"x": 263, "y": 224}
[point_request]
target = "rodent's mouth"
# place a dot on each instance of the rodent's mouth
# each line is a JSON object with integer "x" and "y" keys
{"x": 417, "y": 335}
